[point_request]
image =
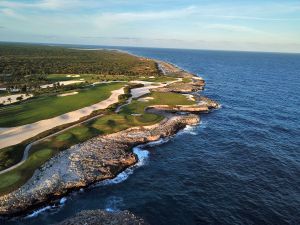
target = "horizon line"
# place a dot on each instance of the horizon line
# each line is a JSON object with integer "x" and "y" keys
{"x": 171, "y": 48}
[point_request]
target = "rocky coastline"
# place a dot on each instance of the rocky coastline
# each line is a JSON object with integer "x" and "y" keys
{"x": 100, "y": 217}
{"x": 104, "y": 157}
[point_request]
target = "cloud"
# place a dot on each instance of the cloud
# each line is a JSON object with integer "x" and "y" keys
{"x": 112, "y": 19}
{"x": 148, "y": 15}
{"x": 10, "y": 13}
{"x": 131, "y": 38}
{"x": 252, "y": 18}
{"x": 231, "y": 27}
{"x": 43, "y": 5}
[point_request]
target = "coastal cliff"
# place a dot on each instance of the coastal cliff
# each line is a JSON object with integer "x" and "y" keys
{"x": 97, "y": 159}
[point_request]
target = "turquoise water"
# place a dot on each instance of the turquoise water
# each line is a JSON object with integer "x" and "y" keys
{"x": 241, "y": 165}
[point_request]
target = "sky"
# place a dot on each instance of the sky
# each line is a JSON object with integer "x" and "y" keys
{"x": 256, "y": 25}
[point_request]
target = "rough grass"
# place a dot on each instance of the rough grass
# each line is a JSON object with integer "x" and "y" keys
{"x": 10, "y": 156}
{"x": 107, "y": 124}
{"x": 50, "y": 106}
{"x": 18, "y": 176}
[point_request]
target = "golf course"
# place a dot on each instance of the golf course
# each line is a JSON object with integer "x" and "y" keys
{"x": 64, "y": 112}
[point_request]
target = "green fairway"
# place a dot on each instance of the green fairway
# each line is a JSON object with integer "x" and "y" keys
{"x": 130, "y": 115}
{"x": 50, "y": 106}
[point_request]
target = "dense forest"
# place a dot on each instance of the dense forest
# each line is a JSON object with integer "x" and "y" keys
{"x": 32, "y": 62}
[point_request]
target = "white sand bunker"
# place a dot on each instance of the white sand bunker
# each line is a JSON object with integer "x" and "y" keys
{"x": 64, "y": 83}
{"x": 197, "y": 78}
{"x": 67, "y": 94}
{"x": 190, "y": 97}
{"x": 75, "y": 75}
{"x": 9, "y": 99}
{"x": 146, "y": 99}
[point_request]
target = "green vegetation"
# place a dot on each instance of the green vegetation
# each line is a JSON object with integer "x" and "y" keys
{"x": 130, "y": 115}
{"x": 186, "y": 80}
{"x": 26, "y": 66}
{"x": 18, "y": 176}
{"x": 45, "y": 107}
{"x": 11, "y": 155}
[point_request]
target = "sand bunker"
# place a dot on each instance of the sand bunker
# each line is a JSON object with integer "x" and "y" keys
{"x": 146, "y": 99}
{"x": 190, "y": 97}
{"x": 76, "y": 75}
{"x": 9, "y": 99}
{"x": 68, "y": 94}
{"x": 68, "y": 82}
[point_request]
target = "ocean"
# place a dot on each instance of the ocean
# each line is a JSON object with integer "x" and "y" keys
{"x": 241, "y": 165}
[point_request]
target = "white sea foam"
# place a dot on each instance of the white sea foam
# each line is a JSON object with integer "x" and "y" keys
{"x": 39, "y": 211}
{"x": 155, "y": 143}
{"x": 189, "y": 130}
{"x": 113, "y": 204}
{"x": 142, "y": 156}
{"x": 63, "y": 200}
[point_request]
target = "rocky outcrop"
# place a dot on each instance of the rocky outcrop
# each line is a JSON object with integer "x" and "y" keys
{"x": 183, "y": 87}
{"x": 100, "y": 217}
{"x": 97, "y": 159}
{"x": 211, "y": 104}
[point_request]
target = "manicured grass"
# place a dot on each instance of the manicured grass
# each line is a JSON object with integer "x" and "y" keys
{"x": 51, "y": 106}
{"x": 130, "y": 115}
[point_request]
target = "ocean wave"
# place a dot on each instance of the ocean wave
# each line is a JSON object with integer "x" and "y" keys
{"x": 189, "y": 130}
{"x": 113, "y": 204}
{"x": 47, "y": 208}
{"x": 39, "y": 211}
{"x": 155, "y": 143}
{"x": 142, "y": 156}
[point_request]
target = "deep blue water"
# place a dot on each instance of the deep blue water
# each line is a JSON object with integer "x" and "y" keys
{"x": 240, "y": 166}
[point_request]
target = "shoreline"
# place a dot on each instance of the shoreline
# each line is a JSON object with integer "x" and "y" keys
{"x": 89, "y": 162}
